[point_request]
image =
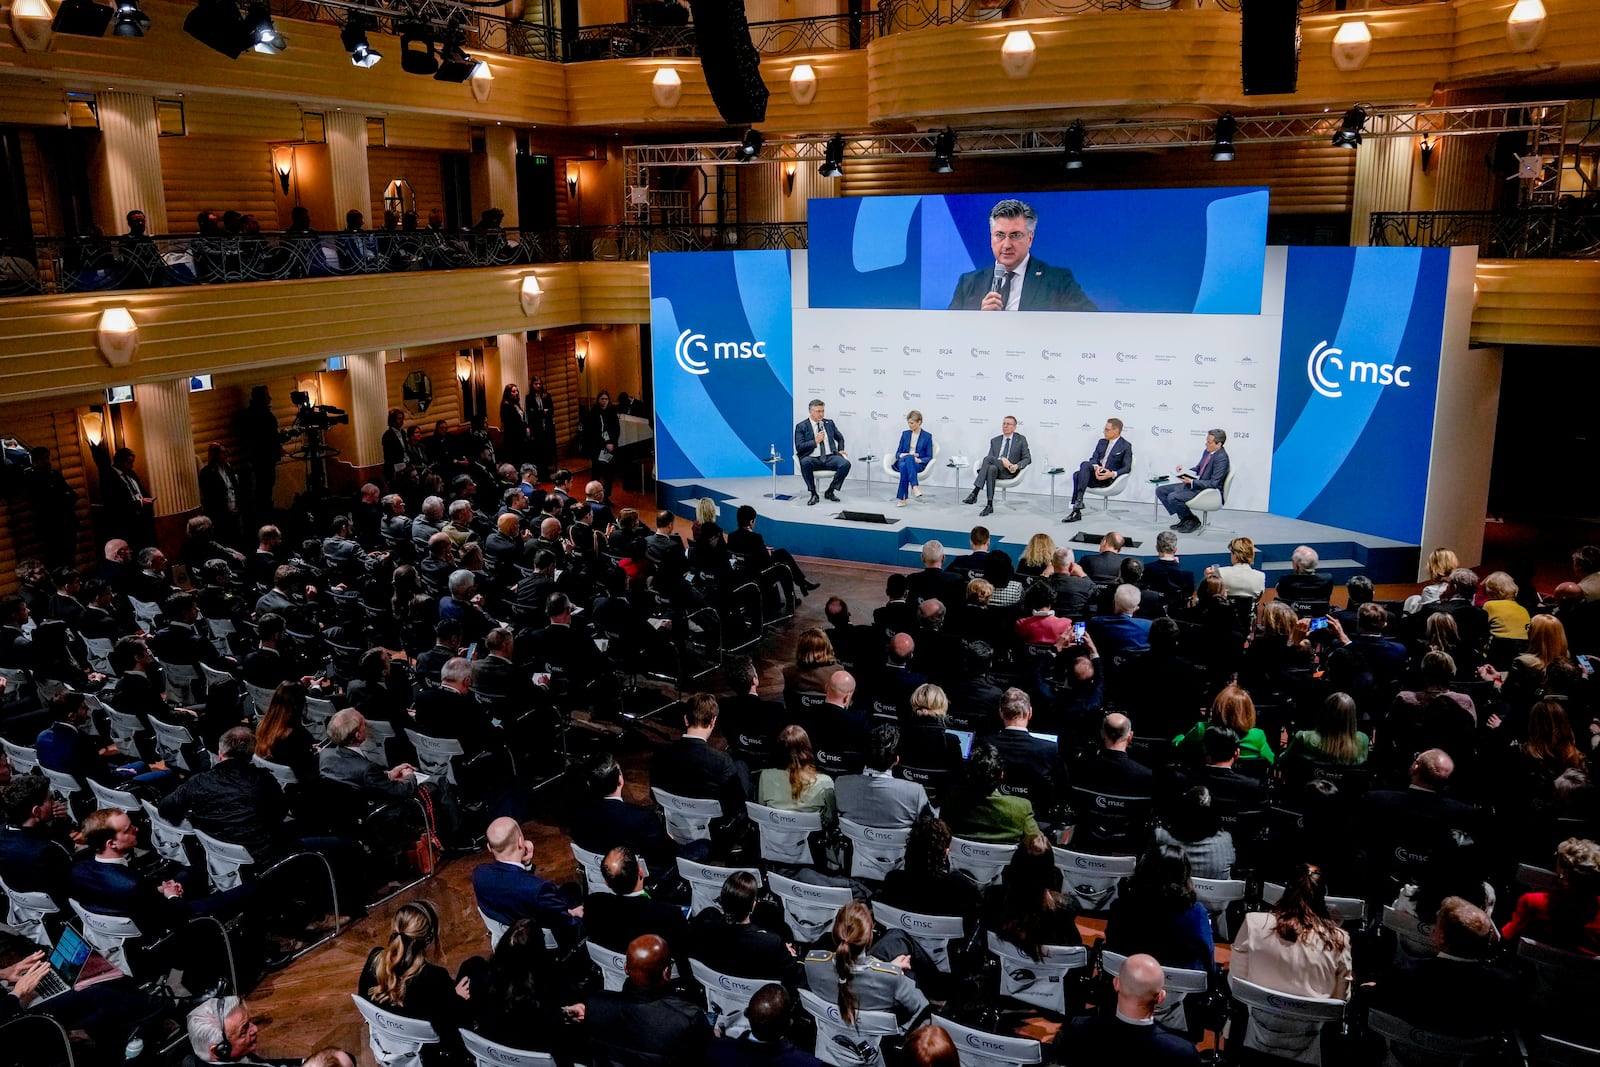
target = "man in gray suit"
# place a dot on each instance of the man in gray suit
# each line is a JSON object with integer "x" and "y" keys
{"x": 342, "y": 761}
{"x": 1008, "y": 454}
{"x": 875, "y": 797}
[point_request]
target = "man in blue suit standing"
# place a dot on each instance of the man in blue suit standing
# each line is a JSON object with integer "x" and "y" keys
{"x": 1112, "y": 456}
{"x": 1209, "y": 473}
{"x": 820, "y": 446}
{"x": 507, "y": 889}
{"x": 1017, "y": 281}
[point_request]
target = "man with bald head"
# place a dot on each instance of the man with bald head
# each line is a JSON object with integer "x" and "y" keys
{"x": 764, "y": 1043}
{"x": 613, "y": 919}
{"x": 647, "y": 1023}
{"x": 1111, "y": 770}
{"x": 1131, "y": 1034}
{"x": 507, "y": 889}
{"x": 894, "y": 678}
{"x": 837, "y": 729}
{"x": 1407, "y": 826}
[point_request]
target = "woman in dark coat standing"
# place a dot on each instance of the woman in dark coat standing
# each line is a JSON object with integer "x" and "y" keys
{"x": 602, "y": 436}
{"x": 513, "y": 426}
{"x": 541, "y": 422}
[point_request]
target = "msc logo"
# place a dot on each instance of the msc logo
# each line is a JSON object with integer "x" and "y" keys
{"x": 1046, "y": 354}
{"x": 1163, "y": 431}
{"x": 1197, "y": 409}
{"x": 843, "y": 348}
{"x": 690, "y": 350}
{"x": 1200, "y": 360}
{"x": 1012, "y": 376}
{"x": 1122, "y": 405}
{"x": 1085, "y": 379}
{"x": 910, "y": 350}
{"x": 1361, "y": 372}
{"x": 813, "y": 368}
{"x": 907, "y": 394}
{"x": 976, "y": 352}
{"x": 878, "y": 416}
{"x": 1126, "y": 357}
{"x": 846, "y": 392}
{"x": 943, "y": 374}
{"x": 1240, "y": 386}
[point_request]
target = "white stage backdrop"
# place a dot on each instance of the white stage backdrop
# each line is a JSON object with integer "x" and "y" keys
{"x": 1169, "y": 378}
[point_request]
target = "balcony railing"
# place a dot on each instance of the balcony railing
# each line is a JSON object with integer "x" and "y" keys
{"x": 816, "y": 33}
{"x": 1539, "y": 234}
{"x": 93, "y": 264}
{"x": 895, "y": 16}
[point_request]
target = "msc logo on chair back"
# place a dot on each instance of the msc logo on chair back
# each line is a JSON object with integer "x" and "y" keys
{"x": 1361, "y": 371}
{"x": 689, "y": 343}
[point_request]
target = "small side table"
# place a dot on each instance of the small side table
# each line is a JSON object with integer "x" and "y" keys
{"x": 869, "y": 459}
{"x": 773, "y": 461}
{"x": 1053, "y": 472}
{"x": 957, "y": 464}
{"x": 1157, "y": 483}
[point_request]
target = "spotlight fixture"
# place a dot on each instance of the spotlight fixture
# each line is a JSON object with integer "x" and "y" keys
{"x": 1222, "y": 139}
{"x": 454, "y": 63}
{"x": 750, "y": 147}
{"x": 83, "y": 18}
{"x": 833, "y": 157}
{"x": 354, "y": 36}
{"x": 944, "y": 152}
{"x": 217, "y": 25}
{"x": 1073, "y": 142}
{"x": 130, "y": 21}
{"x": 1349, "y": 132}
{"x": 417, "y": 54}
{"x": 262, "y": 32}
{"x": 1426, "y": 148}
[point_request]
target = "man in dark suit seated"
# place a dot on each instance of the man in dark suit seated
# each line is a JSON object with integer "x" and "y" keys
{"x": 1111, "y": 770}
{"x": 140, "y": 690}
{"x": 506, "y": 889}
{"x": 268, "y": 665}
{"x": 875, "y": 797}
{"x": 648, "y": 1021}
{"x": 1105, "y": 566}
{"x": 1407, "y": 826}
{"x": 292, "y": 597}
{"x": 933, "y": 582}
{"x": 343, "y": 554}
{"x": 1029, "y": 762}
{"x": 1131, "y": 1035}
{"x": 1230, "y": 790}
{"x": 1209, "y": 473}
{"x": 1073, "y": 591}
{"x": 152, "y": 582}
{"x": 690, "y": 767}
{"x": 464, "y": 604}
{"x": 750, "y": 723}
{"x": 838, "y": 730}
{"x": 663, "y": 541}
{"x": 1385, "y": 659}
{"x": 894, "y": 678}
{"x": 765, "y": 1043}
{"x": 496, "y": 673}
{"x": 1008, "y": 455}
{"x": 898, "y": 614}
{"x": 1165, "y": 575}
{"x": 1017, "y": 281}
{"x": 972, "y": 562}
{"x": 857, "y": 646}
{"x": 35, "y": 841}
{"x": 727, "y": 938}
{"x": 180, "y": 640}
{"x": 1112, "y": 457}
{"x": 341, "y": 760}
{"x": 614, "y": 918}
{"x": 1472, "y": 622}
{"x": 446, "y": 647}
{"x": 68, "y": 746}
{"x": 1302, "y": 584}
{"x": 745, "y": 542}
{"x": 450, "y": 712}
{"x": 1459, "y": 991}
{"x": 1152, "y": 605}
{"x": 608, "y": 820}
{"x": 565, "y": 650}
{"x": 819, "y": 445}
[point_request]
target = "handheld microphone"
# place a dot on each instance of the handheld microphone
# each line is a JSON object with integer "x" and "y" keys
{"x": 998, "y": 279}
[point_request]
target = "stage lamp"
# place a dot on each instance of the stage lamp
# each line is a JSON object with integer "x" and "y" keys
{"x": 1073, "y": 142}
{"x": 1222, "y": 139}
{"x": 131, "y": 22}
{"x": 217, "y": 25}
{"x": 833, "y": 157}
{"x": 417, "y": 55}
{"x": 750, "y": 147}
{"x": 83, "y": 18}
{"x": 944, "y": 152}
{"x": 454, "y": 63}
{"x": 354, "y": 36}
{"x": 262, "y": 32}
{"x": 1349, "y": 132}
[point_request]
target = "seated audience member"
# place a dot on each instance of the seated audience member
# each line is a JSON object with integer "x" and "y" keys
{"x": 1334, "y": 739}
{"x": 1277, "y": 652}
{"x": 892, "y": 676}
{"x": 518, "y": 1001}
{"x": 626, "y": 911}
{"x": 1302, "y": 584}
{"x": 972, "y": 561}
{"x": 1441, "y": 561}
{"x": 449, "y": 711}
{"x": 68, "y": 746}
{"x": 814, "y": 664}
{"x": 753, "y": 547}
{"x": 899, "y": 613}
{"x": 1156, "y": 912}
{"x": 837, "y": 729}
{"x": 1459, "y": 991}
{"x": 1567, "y": 917}
{"x": 281, "y": 736}
{"x": 1036, "y": 556}
{"x": 1457, "y": 867}
{"x": 1194, "y": 826}
{"x": 608, "y": 819}
{"x": 1027, "y": 907}
{"x": 1105, "y": 566}
{"x": 1163, "y": 687}
{"x": 930, "y": 1046}
{"x": 1130, "y": 1034}
{"x": 933, "y": 582}
{"x": 1234, "y": 709}
{"x": 858, "y": 646}
{"x": 221, "y": 1031}
{"x": 999, "y": 572}
{"x": 506, "y": 888}
{"x": 1111, "y": 769}
{"x": 341, "y": 760}
{"x": 1295, "y": 948}
{"x": 925, "y": 883}
{"x": 1406, "y": 826}
{"x": 1031, "y": 763}
{"x": 1073, "y": 593}
{"x": 648, "y": 1021}
{"x": 234, "y": 801}
{"x": 983, "y": 812}
{"x": 1165, "y": 575}
{"x": 1041, "y": 626}
{"x": 1120, "y": 633}
{"x": 850, "y": 977}
{"x": 875, "y": 797}
{"x": 764, "y": 1043}
{"x": 925, "y": 742}
{"x": 797, "y": 786}
{"x": 1230, "y": 790}
{"x": 690, "y": 767}
{"x": 293, "y": 598}
{"x": 724, "y": 937}
{"x": 268, "y": 665}
{"x": 1385, "y": 659}
{"x": 399, "y": 977}
{"x": 464, "y": 604}
{"x": 35, "y": 843}
{"x": 750, "y": 723}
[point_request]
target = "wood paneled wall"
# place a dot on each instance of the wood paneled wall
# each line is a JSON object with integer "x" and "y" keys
{"x": 438, "y": 362}
{"x": 217, "y": 174}
{"x": 1537, "y": 302}
{"x": 418, "y": 166}
{"x": 36, "y": 426}
{"x": 551, "y": 357}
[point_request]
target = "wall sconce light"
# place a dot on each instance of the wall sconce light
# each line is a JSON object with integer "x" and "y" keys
{"x": 94, "y": 428}
{"x": 666, "y": 87}
{"x": 30, "y": 22}
{"x": 788, "y": 178}
{"x": 1017, "y": 54}
{"x": 581, "y": 353}
{"x": 1352, "y": 44}
{"x": 1426, "y": 148}
{"x": 1525, "y": 25}
{"x": 803, "y": 84}
{"x": 282, "y": 164}
{"x": 530, "y": 294}
{"x": 572, "y": 181}
{"x": 118, "y": 336}
{"x": 463, "y": 369}
{"x": 481, "y": 81}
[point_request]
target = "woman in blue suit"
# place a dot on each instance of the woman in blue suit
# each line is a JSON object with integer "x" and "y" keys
{"x": 912, "y": 457}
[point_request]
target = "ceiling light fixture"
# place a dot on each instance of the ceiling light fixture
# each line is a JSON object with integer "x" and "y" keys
{"x": 1349, "y": 132}
{"x": 354, "y": 36}
{"x": 750, "y": 147}
{"x": 454, "y": 63}
{"x": 263, "y": 32}
{"x": 1222, "y": 139}
{"x": 832, "y": 157}
{"x": 130, "y": 21}
{"x": 83, "y": 18}
{"x": 217, "y": 25}
{"x": 417, "y": 50}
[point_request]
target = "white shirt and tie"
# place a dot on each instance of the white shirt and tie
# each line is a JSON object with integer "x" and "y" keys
{"x": 816, "y": 432}
{"x": 1011, "y": 286}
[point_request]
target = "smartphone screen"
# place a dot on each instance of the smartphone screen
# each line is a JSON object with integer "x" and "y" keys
{"x": 1318, "y": 624}
{"x": 1079, "y": 630}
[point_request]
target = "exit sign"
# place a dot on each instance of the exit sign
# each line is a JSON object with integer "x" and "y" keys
{"x": 541, "y": 161}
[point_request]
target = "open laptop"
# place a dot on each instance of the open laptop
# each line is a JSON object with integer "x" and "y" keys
{"x": 68, "y": 957}
{"x": 965, "y": 737}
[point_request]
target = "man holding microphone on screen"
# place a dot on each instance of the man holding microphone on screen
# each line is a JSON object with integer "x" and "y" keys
{"x": 1017, "y": 281}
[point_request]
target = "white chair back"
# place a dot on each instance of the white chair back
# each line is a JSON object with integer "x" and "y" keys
{"x": 613, "y": 966}
{"x": 1413, "y": 1045}
{"x": 875, "y": 850}
{"x": 890, "y": 459}
{"x": 594, "y": 878}
{"x": 62, "y": 784}
{"x": 486, "y": 1053}
{"x": 125, "y": 730}
{"x": 284, "y": 776}
{"x": 979, "y": 1048}
{"x": 1413, "y": 937}
{"x": 145, "y": 614}
{"x": 1551, "y": 1051}
{"x": 1283, "y": 1025}
{"x": 1216, "y": 894}
{"x": 167, "y": 838}
{"x": 1180, "y": 984}
{"x": 221, "y": 630}
{"x": 260, "y": 698}
{"x": 224, "y": 861}
{"x": 809, "y": 908}
{"x": 496, "y": 929}
{"x": 99, "y": 649}
{"x": 183, "y": 682}
{"x": 705, "y": 881}
{"x": 727, "y": 996}
{"x": 979, "y": 860}
{"x": 1565, "y": 980}
{"x": 845, "y": 1044}
{"x": 108, "y": 934}
{"x": 26, "y": 911}
{"x": 1349, "y": 912}
{"x": 1208, "y": 500}
{"x": 1092, "y": 880}
{"x": 22, "y": 758}
{"x": 375, "y": 747}
{"x": 435, "y": 754}
{"x": 687, "y": 818}
{"x": 933, "y": 932}
{"x": 318, "y": 712}
{"x": 784, "y": 834}
{"x": 1116, "y": 487}
{"x": 170, "y": 740}
{"x": 214, "y": 676}
{"x": 1531, "y": 879}
{"x": 1041, "y": 983}
{"x": 48, "y": 688}
{"x": 395, "y": 1040}
{"x": 106, "y": 797}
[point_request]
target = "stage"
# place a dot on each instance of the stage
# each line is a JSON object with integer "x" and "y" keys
{"x": 820, "y": 531}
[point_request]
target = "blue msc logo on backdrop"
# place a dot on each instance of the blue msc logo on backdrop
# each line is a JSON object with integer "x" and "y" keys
{"x": 1361, "y": 371}
{"x": 689, "y": 344}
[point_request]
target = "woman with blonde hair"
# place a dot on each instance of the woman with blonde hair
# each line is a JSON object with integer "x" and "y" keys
{"x": 911, "y": 458}
{"x": 1240, "y": 577}
{"x": 705, "y": 513}
{"x": 1036, "y": 557}
{"x": 798, "y": 785}
{"x": 1507, "y": 618}
{"x": 1441, "y": 561}
{"x": 399, "y": 977}
{"x": 1277, "y": 649}
{"x": 1334, "y": 739}
{"x": 1233, "y": 709}
{"x": 924, "y": 742}
{"x": 834, "y": 976}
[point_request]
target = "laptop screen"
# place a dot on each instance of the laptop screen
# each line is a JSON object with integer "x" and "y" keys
{"x": 965, "y": 737}
{"x": 70, "y": 954}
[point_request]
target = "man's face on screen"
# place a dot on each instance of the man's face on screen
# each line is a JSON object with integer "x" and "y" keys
{"x": 1010, "y": 238}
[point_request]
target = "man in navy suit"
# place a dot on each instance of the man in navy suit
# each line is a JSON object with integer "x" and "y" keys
{"x": 506, "y": 888}
{"x": 820, "y": 446}
{"x": 1112, "y": 456}
{"x": 609, "y": 820}
{"x": 1017, "y": 281}
{"x": 1208, "y": 474}
{"x": 1008, "y": 454}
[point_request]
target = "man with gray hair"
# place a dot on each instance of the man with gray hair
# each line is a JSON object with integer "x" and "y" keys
{"x": 451, "y": 712}
{"x": 1074, "y": 592}
{"x": 1303, "y": 584}
{"x": 1210, "y": 473}
{"x": 1017, "y": 280}
{"x": 933, "y": 582}
{"x": 464, "y": 604}
{"x": 343, "y": 761}
{"x": 221, "y": 1031}
{"x": 1165, "y": 575}
{"x": 427, "y": 523}
{"x": 1120, "y": 632}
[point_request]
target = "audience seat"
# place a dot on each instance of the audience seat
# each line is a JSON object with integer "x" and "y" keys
{"x": 843, "y": 1044}
{"x": 785, "y": 835}
{"x": 1041, "y": 983}
{"x": 978, "y": 1048}
{"x": 875, "y": 850}
{"x": 727, "y": 996}
{"x": 1091, "y": 880}
{"x": 1181, "y": 985}
{"x": 486, "y": 1053}
{"x": 934, "y": 933}
{"x": 1285, "y": 1026}
{"x": 27, "y": 912}
{"x": 980, "y": 860}
{"x": 395, "y": 1040}
{"x": 809, "y": 908}
{"x": 705, "y": 881}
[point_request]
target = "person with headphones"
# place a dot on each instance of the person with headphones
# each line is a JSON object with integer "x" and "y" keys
{"x": 221, "y": 1031}
{"x": 399, "y": 977}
